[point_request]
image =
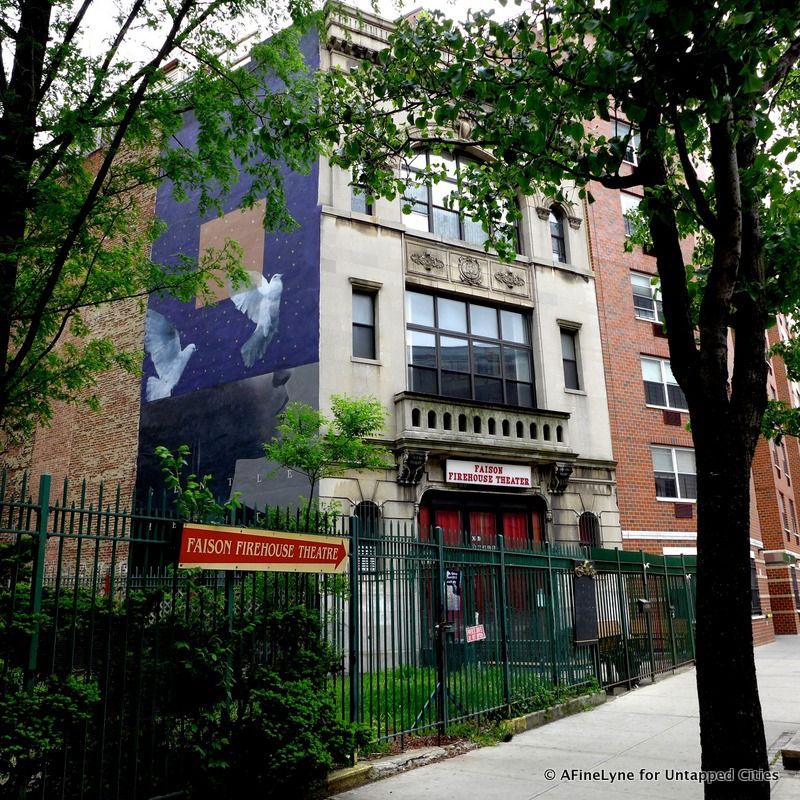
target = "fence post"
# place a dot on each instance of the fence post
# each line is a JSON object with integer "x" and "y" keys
{"x": 670, "y": 615}
{"x": 504, "y": 621}
{"x": 37, "y": 576}
{"x": 229, "y": 612}
{"x": 689, "y": 606}
{"x": 354, "y": 626}
{"x": 441, "y": 629}
{"x": 551, "y": 619}
{"x": 623, "y": 615}
{"x": 648, "y": 618}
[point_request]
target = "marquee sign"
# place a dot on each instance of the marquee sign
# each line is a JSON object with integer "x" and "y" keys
{"x": 487, "y": 474}
{"x": 218, "y": 547}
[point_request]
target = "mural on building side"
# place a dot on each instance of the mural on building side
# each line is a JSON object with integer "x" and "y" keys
{"x": 216, "y": 375}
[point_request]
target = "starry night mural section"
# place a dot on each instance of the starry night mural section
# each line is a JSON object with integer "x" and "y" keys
{"x": 216, "y": 376}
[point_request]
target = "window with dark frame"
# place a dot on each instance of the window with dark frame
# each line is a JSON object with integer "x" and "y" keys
{"x": 569, "y": 358}
{"x": 364, "y": 324}
{"x": 660, "y": 387}
{"x": 469, "y": 350}
{"x": 795, "y": 587}
{"x": 755, "y": 592}
{"x": 431, "y": 208}
{"x": 646, "y": 298}
{"x": 558, "y": 237}
{"x": 675, "y": 473}
{"x": 589, "y": 529}
{"x": 370, "y": 527}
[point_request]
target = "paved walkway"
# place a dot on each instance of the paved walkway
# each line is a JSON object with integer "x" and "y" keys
{"x": 650, "y": 732}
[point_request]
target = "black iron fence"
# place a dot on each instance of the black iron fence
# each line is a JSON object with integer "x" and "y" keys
{"x": 104, "y": 638}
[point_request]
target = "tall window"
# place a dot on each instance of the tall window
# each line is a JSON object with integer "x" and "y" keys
{"x": 569, "y": 357}
{"x": 370, "y": 529}
{"x": 675, "y": 473}
{"x": 468, "y": 350}
{"x": 755, "y": 592}
{"x": 557, "y": 235}
{"x": 364, "y": 324}
{"x": 795, "y": 587}
{"x": 630, "y": 139}
{"x": 589, "y": 529}
{"x": 646, "y": 297}
{"x": 435, "y": 208}
{"x": 660, "y": 387}
{"x": 630, "y": 205}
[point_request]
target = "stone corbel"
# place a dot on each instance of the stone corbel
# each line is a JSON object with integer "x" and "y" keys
{"x": 574, "y": 222}
{"x": 543, "y": 213}
{"x": 559, "y": 477}
{"x": 411, "y": 467}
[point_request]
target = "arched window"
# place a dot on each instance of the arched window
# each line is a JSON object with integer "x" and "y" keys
{"x": 429, "y": 208}
{"x": 370, "y": 528}
{"x": 589, "y": 529}
{"x": 557, "y": 235}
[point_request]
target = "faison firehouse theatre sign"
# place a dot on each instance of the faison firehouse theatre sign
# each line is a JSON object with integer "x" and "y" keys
{"x": 486, "y": 474}
{"x": 216, "y": 547}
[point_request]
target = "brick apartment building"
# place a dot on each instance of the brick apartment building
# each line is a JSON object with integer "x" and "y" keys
{"x": 656, "y": 473}
{"x": 776, "y": 467}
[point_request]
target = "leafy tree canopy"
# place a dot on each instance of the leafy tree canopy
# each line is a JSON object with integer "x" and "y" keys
{"x": 86, "y": 133}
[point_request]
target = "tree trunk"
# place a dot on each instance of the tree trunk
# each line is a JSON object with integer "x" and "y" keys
{"x": 731, "y": 727}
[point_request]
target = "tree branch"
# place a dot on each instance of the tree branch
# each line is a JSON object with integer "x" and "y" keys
{"x": 785, "y": 64}
{"x": 704, "y": 213}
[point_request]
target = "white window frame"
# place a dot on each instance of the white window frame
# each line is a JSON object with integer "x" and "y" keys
{"x": 628, "y": 202}
{"x": 667, "y": 380}
{"x": 624, "y": 130}
{"x": 673, "y": 452}
{"x": 640, "y": 279}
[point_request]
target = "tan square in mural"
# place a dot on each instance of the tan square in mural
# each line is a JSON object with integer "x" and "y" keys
{"x": 243, "y": 226}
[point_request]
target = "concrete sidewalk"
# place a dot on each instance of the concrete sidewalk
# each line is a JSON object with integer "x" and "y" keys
{"x": 652, "y": 732}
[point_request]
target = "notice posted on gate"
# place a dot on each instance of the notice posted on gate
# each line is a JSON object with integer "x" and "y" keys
{"x": 227, "y": 548}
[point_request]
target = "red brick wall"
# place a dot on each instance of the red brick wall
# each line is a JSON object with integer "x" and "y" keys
{"x": 634, "y": 426}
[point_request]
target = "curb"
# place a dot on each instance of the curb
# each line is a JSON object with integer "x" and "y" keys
{"x": 535, "y": 719}
{"x": 342, "y": 780}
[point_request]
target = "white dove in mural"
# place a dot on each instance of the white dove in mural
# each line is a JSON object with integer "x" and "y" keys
{"x": 261, "y": 305}
{"x": 162, "y": 343}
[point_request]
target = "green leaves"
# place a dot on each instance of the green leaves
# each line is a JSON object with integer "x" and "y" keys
{"x": 193, "y": 498}
{"x": 302, "y": 444}
{"x": 86, "y": 141}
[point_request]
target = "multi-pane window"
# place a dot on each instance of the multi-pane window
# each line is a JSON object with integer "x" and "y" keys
{"x": 660, "y": 387}
{"x": 569, "y": 357}
{"x": 646, "y": 297}
{"x": 795, "y": 587}
{"x": 558, "y": 237}
{"x": 630, "y": 138}
{"x": 675, "y": 473}
{"x": 364, "y": 324}
{"x": 755, "y": 592}
{"x": 630, "y": 205}
{"x": 435, "y": 208}
{"x": 468, "y": 350}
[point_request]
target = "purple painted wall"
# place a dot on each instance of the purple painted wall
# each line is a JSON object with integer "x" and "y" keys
{"x": 214, "y": 400}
